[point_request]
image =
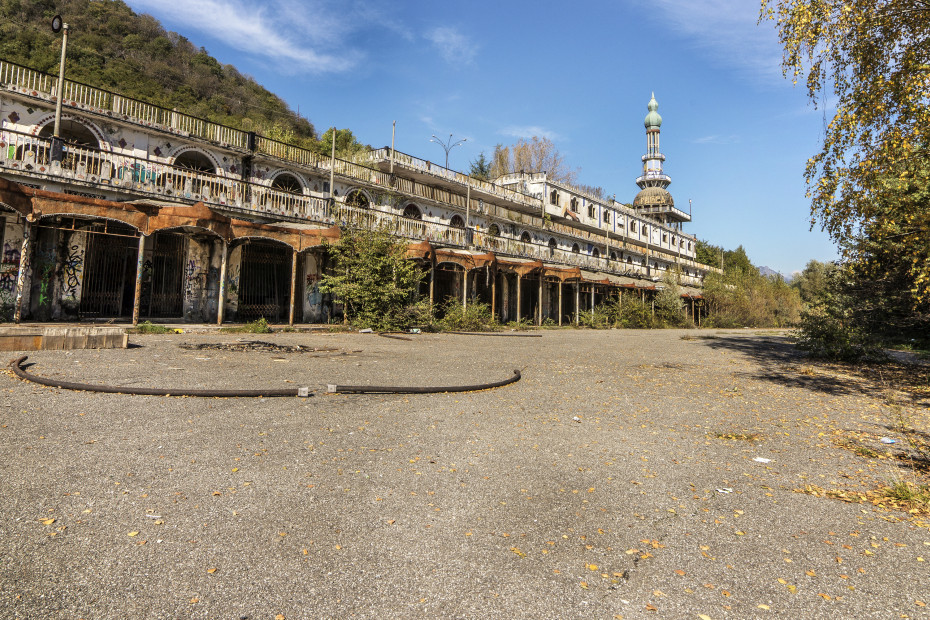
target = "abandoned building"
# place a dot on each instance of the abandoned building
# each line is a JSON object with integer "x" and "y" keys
{"x": 140, "y": 212}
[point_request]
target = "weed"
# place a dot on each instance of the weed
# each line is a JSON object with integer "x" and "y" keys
{"x": 904, "y": 491}
{"x": 255, "y": 327}
{"x": 148, "y": 327}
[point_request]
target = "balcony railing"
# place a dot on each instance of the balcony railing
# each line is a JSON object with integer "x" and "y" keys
{"x": 37, "y": 84}
{"x": 486, "y": 187}
{"x": 108, "y": 170}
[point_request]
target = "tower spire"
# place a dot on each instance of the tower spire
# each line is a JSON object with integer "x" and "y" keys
{"x": 652, "y": 160}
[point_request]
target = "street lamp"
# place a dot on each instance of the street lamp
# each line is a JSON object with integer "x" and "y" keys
{"x": 447, "y": 145}
{"x": 58, "y": 26}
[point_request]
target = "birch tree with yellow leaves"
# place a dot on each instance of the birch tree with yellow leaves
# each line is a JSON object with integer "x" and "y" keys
{"x": 870, "y": 59}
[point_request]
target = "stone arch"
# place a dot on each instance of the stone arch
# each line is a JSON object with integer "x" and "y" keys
{"x": 358, "y": 198}
{"x": 194, "y": 158}
{"x": 457, "y": 221}
{"x": 75, "y": 130}
{"x": 494, "y": 230}
{"x": 525, "y": 237}
{"x": 595, "y": 253}
{"x": 288, "y": 181}
{"x": 413, "y": 212}
{"x": 575, "y": 248}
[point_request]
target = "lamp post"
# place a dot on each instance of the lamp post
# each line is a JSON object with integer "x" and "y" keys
{"x": 59, "y": 26}
{"x": 447, "y": 145}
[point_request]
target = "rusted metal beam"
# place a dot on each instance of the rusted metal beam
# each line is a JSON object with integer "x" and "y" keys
{"x": 290, "y": 319}
{"x": 137, "y": 294}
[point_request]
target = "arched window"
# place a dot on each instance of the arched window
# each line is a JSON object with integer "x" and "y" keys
{"x": 288, "y": 183}
{"x": 413, "y": 212}
{"x": 606, "y": 216}
{"x": 629, "y": 260}
{"x": 595, "y": 253}
{"x": 575, "y": 248}
{"x": 632, "y": 227}
{"x": 194, "y": 160}
{"x": 357, "y": 198}
{"x": 613, "y": 256}
{"x": 494, "y": 230}
{"x": 71, "y": 131}
{"x": 525, "y": 237}
{"x": 552, "y": 243}
{"x": 573, "y": 205}
{"x": 592, "y": 213}
{"x": 457, "y": 222}
{"x": 554, "y": 197}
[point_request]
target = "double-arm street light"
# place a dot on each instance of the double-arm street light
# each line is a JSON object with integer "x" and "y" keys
{"x": 447, "y": 145}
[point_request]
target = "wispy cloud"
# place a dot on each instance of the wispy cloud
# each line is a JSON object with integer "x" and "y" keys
{"x": 717, "y": 139}
{"x": 528, "y": 131}
{"x": 281, "y": 32}
{"x": 453, "y": 46}
{"x": 728, "y": 30}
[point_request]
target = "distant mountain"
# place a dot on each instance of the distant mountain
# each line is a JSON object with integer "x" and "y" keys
{"x": 769, "y": 272}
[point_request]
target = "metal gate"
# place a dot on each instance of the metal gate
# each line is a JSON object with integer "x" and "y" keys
{"x": 166, "y": 294}
{"x": 109, "y": 272}
{"x": 264, "y": 282}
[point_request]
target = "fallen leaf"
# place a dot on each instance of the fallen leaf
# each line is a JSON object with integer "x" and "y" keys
{"x": 680, "y": 572}
{"x": 195, "y": 600}
{"x": 48, "y": 521}
{"x": 761, "y": 606}
{"x": 592, "y": 566}
{"x": 211, "y": 570}
{"x": 651, "y": 608}
{"x": 811, "y": 573}
{"x": 133, "y": 534}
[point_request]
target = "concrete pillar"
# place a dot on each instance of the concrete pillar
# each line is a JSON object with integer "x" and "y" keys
{"x": 137, "y": 295}
{"x": 540, "y": 319}
{"x": 560, "y": 303}
{"x": 221, "y": 302}
{"x": 432, "y": 282}
{"x": 290, "y": 318}
{"x": 592, "y": 298}
{"x": 494, "y": 296}
{"x": 23, "y": 266}
{"x": 465, "y": 288}
{"x": 519, "y": 277}
{"x": 578, "y": 303}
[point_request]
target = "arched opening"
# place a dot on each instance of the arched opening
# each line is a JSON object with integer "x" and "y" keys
{"x": 525, "y": 237}
{"x": 494, "y": 230}
{"x": 595, "y": 253}
{"x": 554, "y": 197}
{"x": 613, "y": 256}
{"x": 413, "y": 212}
{"x": 287, "y": 182}
{"x": 264, "y": 281}
{"x": 457, "y": 222}
{"x": 629, "y": 260}
{"x": 358, "y": 198}
{"x": 194, "y": 160}
{"x": 72, "y": 132}
{"x": 575, "y": 248}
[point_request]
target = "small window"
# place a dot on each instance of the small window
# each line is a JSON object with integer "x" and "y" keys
{"x": 575, "y": 248}
{"x": 595, "y": 253}
{"x": 591, "y": 212}
{"x": 525, "y": 237}
{"x": 664, "y": 237}
{"x": 457, "y": 222}
{"x": 552, "y": 245}
{"x": 573, "y": 205}
{"x": 554, "y": 197}
{"x": 632, "y": 227}
{"x": 606, "y": 216}
{"x": 357, "y": 198}
{"x": 494, "y": 230}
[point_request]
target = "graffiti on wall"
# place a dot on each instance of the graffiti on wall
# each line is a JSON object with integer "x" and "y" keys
{"x": 72, "y": 268}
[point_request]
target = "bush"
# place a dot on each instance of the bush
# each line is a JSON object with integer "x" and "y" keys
{"x": 473, "y": 317}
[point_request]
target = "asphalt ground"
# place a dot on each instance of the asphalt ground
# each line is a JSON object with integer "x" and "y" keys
{"x": 616, "y": 480}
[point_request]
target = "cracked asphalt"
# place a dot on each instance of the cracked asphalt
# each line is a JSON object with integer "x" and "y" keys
{"x": 629, "y": 474}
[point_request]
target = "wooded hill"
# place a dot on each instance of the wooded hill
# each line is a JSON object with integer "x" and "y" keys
{"x": 112, "y": 47}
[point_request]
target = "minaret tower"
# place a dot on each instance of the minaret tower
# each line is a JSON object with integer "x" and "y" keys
{"x": 654, "y": 200}
{"x": 652, "y": 160}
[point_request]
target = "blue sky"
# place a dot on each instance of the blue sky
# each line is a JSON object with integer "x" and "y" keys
{"x": 736, "y": 134}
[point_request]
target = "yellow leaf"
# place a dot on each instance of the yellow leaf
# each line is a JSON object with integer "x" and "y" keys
{"x": 195, "y": 600}
{"x": 235, "y": 469}
{"x": 518, "y": 552}
{"x": 584, "y": 584}
{"x": 792, "y": 589}
{"x": 133, "y": 533}
{"x": 761, "y": 606}
{"x": 48, "y": 521}
{"x": 592, "y": 566}
{"x": 811, "y": 573}
{"x": 211, "y": 570}
{"x": 680, "y": 572}
{"x": 703, "y": 617}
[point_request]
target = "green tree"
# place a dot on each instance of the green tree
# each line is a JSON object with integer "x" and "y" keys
{"x": 812, "y": 282}
{"x": 347, "y": 146}
{"x": 874, "y": 55}
{"x": 480, "y": 168}
{"x": 372, "y": 277}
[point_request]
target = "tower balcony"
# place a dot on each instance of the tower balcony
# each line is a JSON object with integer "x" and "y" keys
{"x": 654, "y": 179}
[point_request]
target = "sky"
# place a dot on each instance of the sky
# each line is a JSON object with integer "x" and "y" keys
{"x": 735, "y": 133}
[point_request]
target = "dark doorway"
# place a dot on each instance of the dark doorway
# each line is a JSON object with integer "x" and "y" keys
{"x": 265, "y": 282}
{"x": 109, "y": 272}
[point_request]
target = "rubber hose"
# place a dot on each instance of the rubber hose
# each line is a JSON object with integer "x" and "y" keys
{"x": 142, "y": 391}
{"x": 505, "y": 335}
{"x": 376, "y": 389}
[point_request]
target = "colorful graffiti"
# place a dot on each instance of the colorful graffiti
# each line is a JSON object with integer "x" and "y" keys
{"x": 73, "y": 267}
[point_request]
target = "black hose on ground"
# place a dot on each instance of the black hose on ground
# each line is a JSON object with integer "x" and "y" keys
{"x": 142, "y": 391}
{"x": 375, "y": 389}
{"x": 334, "y": 389}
